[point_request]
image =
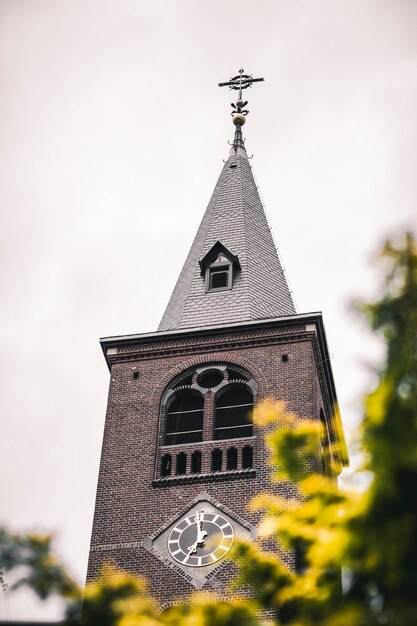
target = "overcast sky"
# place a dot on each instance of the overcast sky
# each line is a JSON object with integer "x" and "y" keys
{"x": 112, "y": 136}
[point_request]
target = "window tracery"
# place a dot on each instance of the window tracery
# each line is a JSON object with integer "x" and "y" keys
{"x": 206, "y": 422}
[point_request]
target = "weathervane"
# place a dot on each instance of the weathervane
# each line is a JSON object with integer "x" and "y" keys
{"x": 240, "y": 82}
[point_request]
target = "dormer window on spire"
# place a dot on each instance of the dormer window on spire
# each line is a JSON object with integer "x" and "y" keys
{"x": 218, "y": 267}
{"x": 219, "y": 275}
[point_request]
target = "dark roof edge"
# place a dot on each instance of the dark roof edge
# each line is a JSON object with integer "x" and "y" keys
{"x": 299, "y": 318}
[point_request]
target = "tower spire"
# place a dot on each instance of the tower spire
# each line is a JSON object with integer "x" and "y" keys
{"x": 238, "y": 83}
{"x": 232, "y": 273}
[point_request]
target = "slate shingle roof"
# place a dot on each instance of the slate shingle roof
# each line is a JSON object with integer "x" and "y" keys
{"x": 236, "y": 218}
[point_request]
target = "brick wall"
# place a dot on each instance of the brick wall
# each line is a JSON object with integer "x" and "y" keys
{"x": 130, "y": 506}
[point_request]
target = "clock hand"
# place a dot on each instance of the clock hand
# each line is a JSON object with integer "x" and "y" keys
{"x": 200, "y": 533}
{"x": 199, "y": 542}
{"x": 191, "y": 550}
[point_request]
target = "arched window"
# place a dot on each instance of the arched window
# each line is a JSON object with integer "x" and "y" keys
{"x": 184, "y": 418}
{"x": 233, "y": 417}
{"x": 219, "y": 396}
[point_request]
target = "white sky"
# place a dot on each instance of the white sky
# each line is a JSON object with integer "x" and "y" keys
{"x": 112, "y": 135}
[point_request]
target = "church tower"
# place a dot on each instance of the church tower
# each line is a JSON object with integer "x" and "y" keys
{"x": 181, "y": 458}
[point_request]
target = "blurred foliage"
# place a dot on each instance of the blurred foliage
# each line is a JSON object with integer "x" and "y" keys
{"x": 356, "y": 553}
{"x": 118, "y": 598}
{"x": 371, "y": 537}
{"x": 39, "y": 569}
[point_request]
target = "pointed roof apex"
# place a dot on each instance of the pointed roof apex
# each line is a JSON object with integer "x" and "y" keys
{"x": 234, "y": 232}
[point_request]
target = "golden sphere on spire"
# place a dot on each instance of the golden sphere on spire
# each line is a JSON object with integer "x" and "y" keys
{"x": 239, "y": 119}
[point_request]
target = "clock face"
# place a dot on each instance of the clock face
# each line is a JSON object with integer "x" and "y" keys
{"x": 200, "y": 539}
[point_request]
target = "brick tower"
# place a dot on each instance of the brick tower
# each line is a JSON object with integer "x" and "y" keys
{"x": 181, "y": 458}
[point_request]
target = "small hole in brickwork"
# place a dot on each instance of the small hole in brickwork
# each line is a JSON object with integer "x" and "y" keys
{"x": 232, "y": 166}
{"x": 284, "y": 358}
{"x": 135, "y": 375}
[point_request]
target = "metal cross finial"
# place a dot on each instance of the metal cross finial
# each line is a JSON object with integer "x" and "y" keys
{"x": 241, "y": 81}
